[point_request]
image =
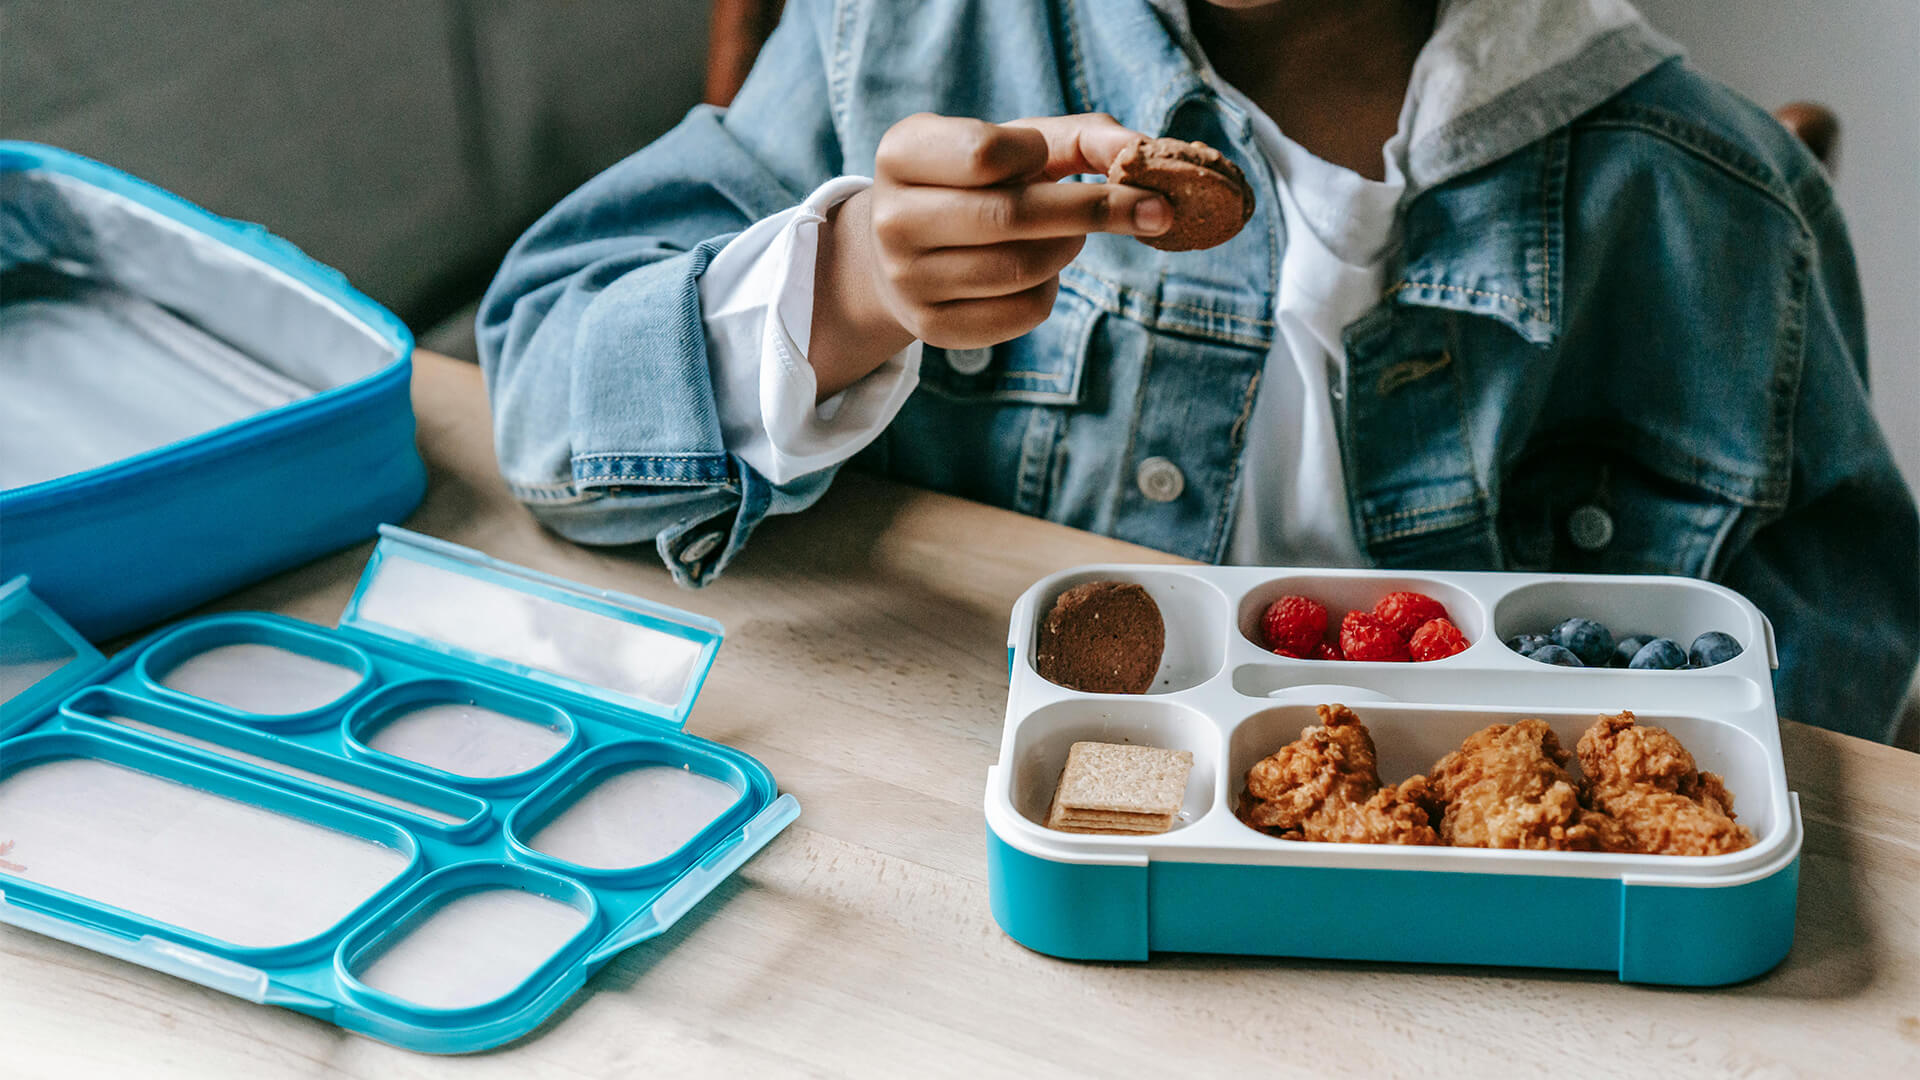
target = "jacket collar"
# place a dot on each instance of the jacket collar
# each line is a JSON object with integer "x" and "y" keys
{"x": 1492, "y": 243}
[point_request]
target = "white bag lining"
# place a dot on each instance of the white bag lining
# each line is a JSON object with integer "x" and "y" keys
{"x": 122, "y": 330}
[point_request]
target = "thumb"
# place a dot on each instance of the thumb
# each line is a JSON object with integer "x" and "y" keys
{"x": 1082, "y": 143}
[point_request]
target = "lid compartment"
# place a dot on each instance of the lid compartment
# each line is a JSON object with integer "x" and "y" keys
{"x": 461, "y": 603}
{"x": 41, "y": 657}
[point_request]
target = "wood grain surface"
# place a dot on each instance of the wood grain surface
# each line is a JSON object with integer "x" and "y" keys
{"x": 865, "y": 666}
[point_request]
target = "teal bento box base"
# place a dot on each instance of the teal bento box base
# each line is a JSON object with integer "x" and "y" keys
{"x": 1674, "y": 934}
{"x": 1208, "y": 882}
{"x": 193, "y": 403}
{"x": 430, "y": 824}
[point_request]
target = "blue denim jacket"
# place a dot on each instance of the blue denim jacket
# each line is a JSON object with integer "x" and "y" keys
{"x": 1631, "y": 341}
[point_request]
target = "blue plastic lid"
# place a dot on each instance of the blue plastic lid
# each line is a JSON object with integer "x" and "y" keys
{"x": 41, "y": 657}
{"x": 606, "y": 645}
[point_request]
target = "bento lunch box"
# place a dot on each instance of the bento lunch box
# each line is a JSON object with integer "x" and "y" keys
{"x": 1212, "y": 884}
{"x": 174, "y": 383}
{"x": 430, "y": 825}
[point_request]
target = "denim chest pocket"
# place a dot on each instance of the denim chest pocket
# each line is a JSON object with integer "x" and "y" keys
{"x": 1046, "y": 366}
{"x": 1578, "y": 507}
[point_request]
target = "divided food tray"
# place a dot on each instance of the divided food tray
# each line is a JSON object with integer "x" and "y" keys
{"x": 1213, "y": 884}
{"x": 430, "y": 825}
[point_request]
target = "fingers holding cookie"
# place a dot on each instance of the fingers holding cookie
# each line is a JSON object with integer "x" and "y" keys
{"x": 1210, "y": 196}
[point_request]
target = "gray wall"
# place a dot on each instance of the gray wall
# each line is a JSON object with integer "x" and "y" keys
{"x": 405, "y": 142}
{"x": 1862, "y": 59}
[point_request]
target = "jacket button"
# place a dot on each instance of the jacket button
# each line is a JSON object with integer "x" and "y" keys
{"x": 700, "y": 548}
{"x": 969, "y": 361}
{"x": 1160, "y": 480}
{"x": 1590, "y": 527}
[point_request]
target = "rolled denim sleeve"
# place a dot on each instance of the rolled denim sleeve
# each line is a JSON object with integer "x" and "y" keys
{"x": 1838, "y": 573}
{"x": 591, "y": 340}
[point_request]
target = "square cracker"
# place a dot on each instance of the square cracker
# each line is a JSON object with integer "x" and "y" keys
{"x": 1106, "y": 821}
{"x": 1114, "y": 777}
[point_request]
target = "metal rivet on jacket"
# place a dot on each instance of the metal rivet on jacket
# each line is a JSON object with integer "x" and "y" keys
{"x": 1160, "y": 480}
{"x": 969, "y": 361}
{"x": 701, "y": 547}
{"x": 1590, "y": 527}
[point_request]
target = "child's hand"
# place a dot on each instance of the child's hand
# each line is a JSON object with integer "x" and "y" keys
{"x": 961, "y": 240}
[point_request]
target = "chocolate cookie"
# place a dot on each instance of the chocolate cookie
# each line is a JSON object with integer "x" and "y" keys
{"x": 1103, "y": 637}
{"x": 1211, "y": 199}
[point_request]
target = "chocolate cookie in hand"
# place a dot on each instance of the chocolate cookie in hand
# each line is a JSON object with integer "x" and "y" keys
{"x": 1210, "y": 197}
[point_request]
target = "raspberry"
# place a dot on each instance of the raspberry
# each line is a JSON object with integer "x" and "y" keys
{"x": 1294, "y": 625}
{"x": 1438, "y": 638}
{"x": 1364, "y": 636}
{"x": 1328, "y": 650}
{"x": 1406, "y": 612}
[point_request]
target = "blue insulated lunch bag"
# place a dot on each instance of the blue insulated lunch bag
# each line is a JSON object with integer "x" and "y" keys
{"x": 187, "y": 403}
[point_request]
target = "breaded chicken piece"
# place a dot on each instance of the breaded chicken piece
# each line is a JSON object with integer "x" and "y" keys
{"x": 1325, "y": 786}
{"x": 1508, "y": 787}
{"x": 1648, "y": 782}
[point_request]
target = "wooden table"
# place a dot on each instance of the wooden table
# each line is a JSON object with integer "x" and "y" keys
{"x": 865, "y": 666}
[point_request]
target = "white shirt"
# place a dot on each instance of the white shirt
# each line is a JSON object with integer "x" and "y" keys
{"x": 1340, "y": 228}
{"x": 757, "y": 303}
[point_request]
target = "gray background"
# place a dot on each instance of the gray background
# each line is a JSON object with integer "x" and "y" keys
{"x": 406, "y": 142}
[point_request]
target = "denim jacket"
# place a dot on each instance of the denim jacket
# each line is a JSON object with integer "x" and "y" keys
{"x": 1628, "y": 342}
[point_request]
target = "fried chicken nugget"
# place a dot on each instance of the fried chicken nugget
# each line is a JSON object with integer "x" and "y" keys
{"x": 1508, "y": 787}
{"x": 1325, "y": 786}
{"x": 1649, "y": 783}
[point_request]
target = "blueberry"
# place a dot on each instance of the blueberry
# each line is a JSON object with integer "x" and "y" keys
{"x": 1525, "y": 644}
{"x": 1713, "y": 647}
{"x": 1586, "y": 639}
{"x": 1625, "y": 649}
{"x": 1554, "y": 654}
{"x": 1660, "y": 654}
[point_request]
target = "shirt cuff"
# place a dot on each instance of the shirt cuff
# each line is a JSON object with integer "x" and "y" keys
{"x": 756, "y": 303}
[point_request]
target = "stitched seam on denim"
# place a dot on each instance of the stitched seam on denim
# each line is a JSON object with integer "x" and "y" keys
{"x": 615, "y": 455}
{"x": 1787, "y": 382}
{"x": 1009, "y": 396}
{"x": 1239, "y": 428}
{"x": 1076, "y": 57}
{"x": 1760, "y": 184}
{"x": 1178, "y": 328}
{"x": 1460, "y": 409}
{"x": 1621, "y": 442}
{"x": 840, "y": 101}
{"x": 1405, "y": 285}
{"x": 1416, "y": 530}
{"x": 563, "y": 487}
{"x": 676, "y": 470}
{"x": 1217, "y": 314}
{"x": 549, "y": 496}
{"x": 1113, "y": 300}
{"x": 1165, "y": 102}
{"x": 1420, "y": 511}
{"x": 1684, "y": 131}
{"x": 1051, "y": 377}
{"x": 1546, "y": 238}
